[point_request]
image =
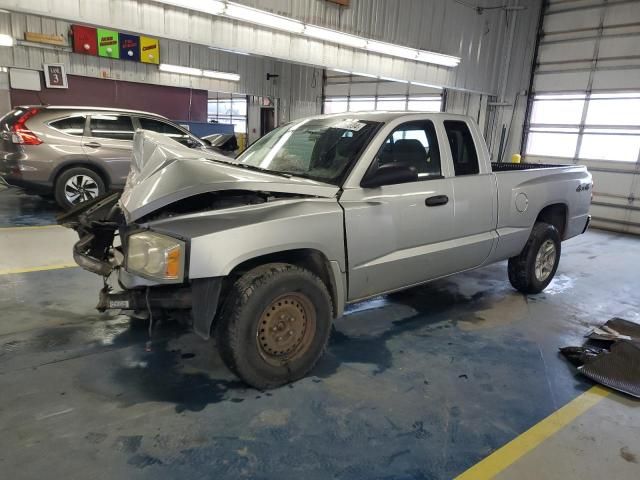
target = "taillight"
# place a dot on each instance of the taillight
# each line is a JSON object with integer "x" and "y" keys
{"x": 20, "y": 133}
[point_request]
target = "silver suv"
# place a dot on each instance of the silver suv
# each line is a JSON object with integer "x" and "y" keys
{"x": 75, "y": 153}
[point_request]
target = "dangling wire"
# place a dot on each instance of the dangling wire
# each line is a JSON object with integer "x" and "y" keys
{"x": 148, "y": 344}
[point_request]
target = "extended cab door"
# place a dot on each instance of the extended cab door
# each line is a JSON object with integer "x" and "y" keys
{"x": 474, "y": 193}
{"x": 399, "y": 234}
{"x": 109, "y": 142}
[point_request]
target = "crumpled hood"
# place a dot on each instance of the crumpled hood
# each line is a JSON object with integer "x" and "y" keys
{"x": 164, "y": 171}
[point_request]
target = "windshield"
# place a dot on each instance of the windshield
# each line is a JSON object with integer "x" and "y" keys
{"x": 322, "y": 149}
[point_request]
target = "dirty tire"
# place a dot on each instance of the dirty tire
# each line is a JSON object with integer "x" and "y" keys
{"x": 522, "y": 267}
{"x": 59, "y": 187}
{"x": 250, "y": 298}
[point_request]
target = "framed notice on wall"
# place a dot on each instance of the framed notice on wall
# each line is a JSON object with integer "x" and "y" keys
{"x": 55, "y": 75}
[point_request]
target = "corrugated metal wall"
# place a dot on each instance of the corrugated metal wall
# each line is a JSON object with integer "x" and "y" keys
{"x": 446, "y": 26}
{"x": 495, "y": 45}
{"x": 594, "y": 46}
{"x": 299, "y": 87}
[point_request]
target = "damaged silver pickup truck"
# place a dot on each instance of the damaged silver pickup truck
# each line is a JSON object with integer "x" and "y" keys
{"x": 263, "y": 252}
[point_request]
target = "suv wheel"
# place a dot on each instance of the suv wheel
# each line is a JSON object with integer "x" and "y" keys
{"x": 77, "y": 185}
{"x": 275, "y": 325}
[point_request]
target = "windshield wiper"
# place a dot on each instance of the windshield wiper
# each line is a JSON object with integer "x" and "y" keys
{"x": 263, "y": 170}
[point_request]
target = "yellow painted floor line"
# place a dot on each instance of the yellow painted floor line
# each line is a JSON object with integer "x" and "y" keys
{"x": 37, "y": 269}
{"x": 29, "y": 227}
{"x": 524, "y": 443}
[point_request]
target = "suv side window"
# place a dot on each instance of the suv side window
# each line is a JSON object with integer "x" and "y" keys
{"x": 165, "y": 129}
{"x": 463, "y": 150}
{"x": 414, "y": 144}
{"x": 70, "y": 125}
{"x": 117, "y": 127}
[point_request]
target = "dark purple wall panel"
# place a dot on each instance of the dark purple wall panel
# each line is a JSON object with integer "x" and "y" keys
{"x": 175, "y": 103}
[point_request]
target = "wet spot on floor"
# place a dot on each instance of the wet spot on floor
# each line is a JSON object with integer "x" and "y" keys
{"x": 628, "y": 456}
{"x": 95, "y": 437}
{"x": 143, "y": 461}
{"x": 128, "y": 443}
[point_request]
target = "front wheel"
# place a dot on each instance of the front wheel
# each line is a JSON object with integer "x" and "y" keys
{"x": 535, "y": 267}
{"x": 275, "y": 325}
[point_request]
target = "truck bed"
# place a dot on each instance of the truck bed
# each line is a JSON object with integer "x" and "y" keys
{"x": 508, "y": 166}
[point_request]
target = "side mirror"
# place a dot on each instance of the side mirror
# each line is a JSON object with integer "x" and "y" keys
{"x": 389, "y": 174}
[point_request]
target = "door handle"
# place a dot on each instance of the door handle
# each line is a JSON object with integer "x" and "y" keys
{"x": 437, "y": 200}
{"x": 92, "y": 145}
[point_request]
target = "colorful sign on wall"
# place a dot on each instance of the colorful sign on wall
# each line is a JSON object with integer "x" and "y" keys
{"x": 112, "y": 44}
{"x": 108, "y": 45}
{"x": 85, "y": 40}
{"x": 129, "y": 47}
{"x": 149, "y": 50}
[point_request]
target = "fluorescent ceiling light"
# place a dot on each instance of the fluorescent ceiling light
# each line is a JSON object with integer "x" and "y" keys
{"x": 165, "y": 67}
{"x": 388, "y": 79}
{"x": 278, "y": 22}
{"x": 393, "y": 50}
{"x": 213, "y": 7}
{"x": 6, "y": 40}
{"x": 437, "y": 58}
{"x": 196, "y": 72}
{"x": 358, "y": 74}
{"x": 260, "y": 17}
{"x": 237, "y": 52}
{"x": 341, "y": 71}
{"x": 426, "y": 85}
{"x": 234, "y": 77}
{"x": 334, "y": 36}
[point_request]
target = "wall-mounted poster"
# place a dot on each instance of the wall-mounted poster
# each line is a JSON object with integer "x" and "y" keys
{"x": 149, "y": 50}
{"x": 85, "y": 40}
{"x": 55, "y": 75}
{"x": 129, "y": 47}
{"x": 108, "y": 45}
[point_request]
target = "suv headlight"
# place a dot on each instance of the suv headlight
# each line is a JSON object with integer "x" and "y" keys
{"x": 156, "y": 256}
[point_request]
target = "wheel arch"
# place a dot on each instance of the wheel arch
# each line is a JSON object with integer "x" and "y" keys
{"x": 556, "y": 214}
{"x": 308, "y": 258}
{"x": 78, "y": 162}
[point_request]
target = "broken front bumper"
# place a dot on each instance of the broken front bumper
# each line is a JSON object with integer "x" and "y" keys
{"x": 96, "y": 223}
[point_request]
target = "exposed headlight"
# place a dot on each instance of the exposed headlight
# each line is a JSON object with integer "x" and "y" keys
{"x": 156, "y": 256}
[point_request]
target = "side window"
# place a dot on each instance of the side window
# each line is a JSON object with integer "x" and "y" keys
{"x": 463, "y": 150}
{"x": 165, "y": 129}
{"x": 413, "y": 144}
{"x": 117, "y": 127}
{"x": 70, "y": 125}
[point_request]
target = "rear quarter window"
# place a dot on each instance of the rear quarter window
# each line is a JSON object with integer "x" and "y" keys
{"x": 70, "y": 126}
{"x": 463, "y": 150}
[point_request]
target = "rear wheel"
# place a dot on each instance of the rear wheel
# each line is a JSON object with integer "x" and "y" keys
{"x": 77, "y": 185}
{"x": 535, "y": 267}
{"x": 275, "y": 325}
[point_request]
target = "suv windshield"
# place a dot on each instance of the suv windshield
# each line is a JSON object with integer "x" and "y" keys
{"x": 322, "y": 149}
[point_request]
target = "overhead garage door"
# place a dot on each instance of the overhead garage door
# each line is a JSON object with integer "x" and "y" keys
{"x": 585, "y": 106}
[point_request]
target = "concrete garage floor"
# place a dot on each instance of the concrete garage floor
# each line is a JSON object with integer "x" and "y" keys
{"x": 422, "y": 384}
